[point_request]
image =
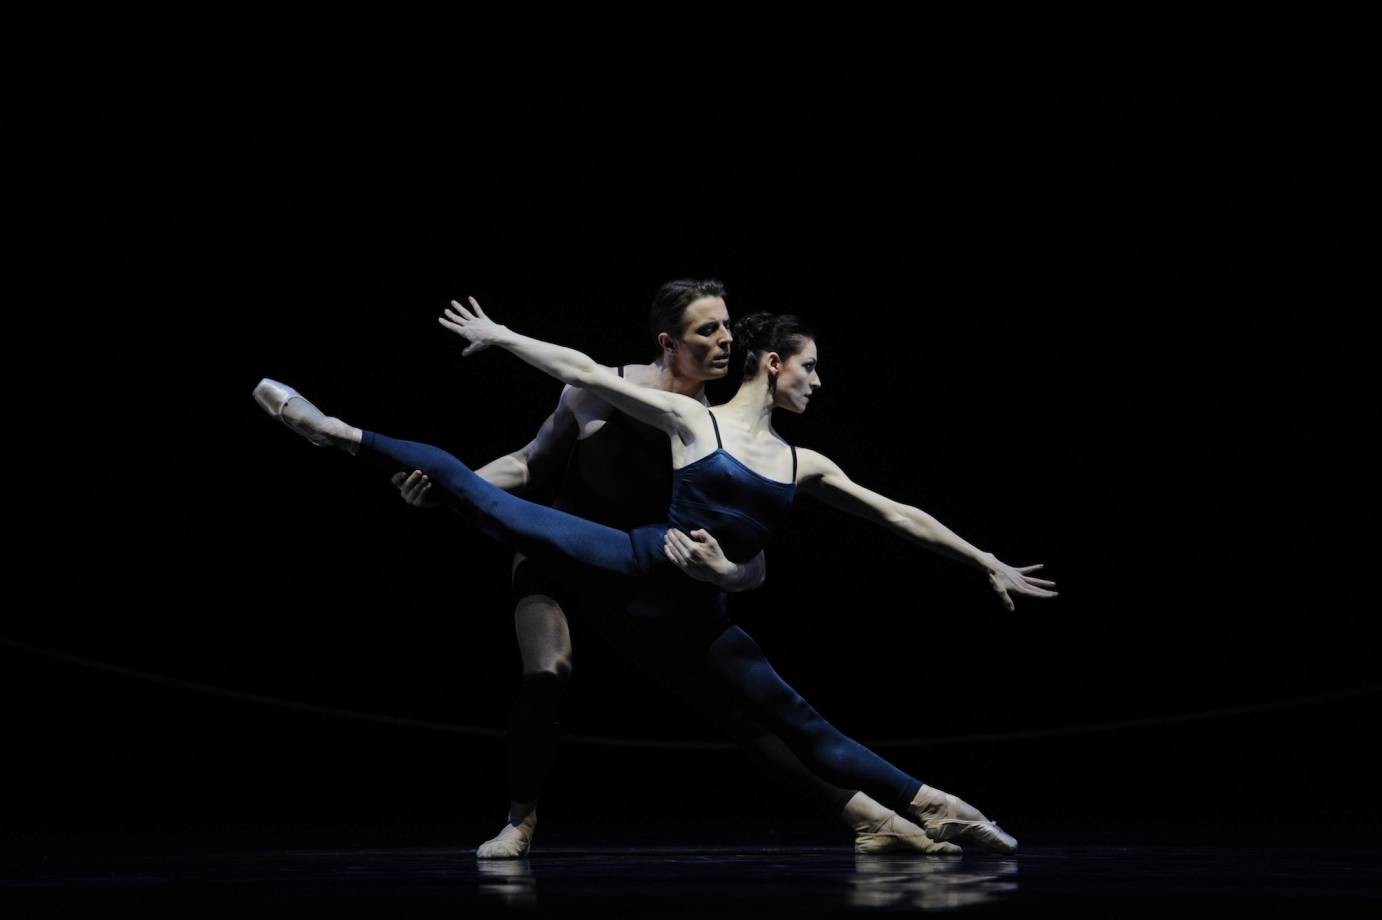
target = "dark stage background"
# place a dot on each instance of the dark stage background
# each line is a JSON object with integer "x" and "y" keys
{"x": 1059, "y": 360}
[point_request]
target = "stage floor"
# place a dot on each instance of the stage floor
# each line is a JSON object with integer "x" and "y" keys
{"x": 211, "y": 877}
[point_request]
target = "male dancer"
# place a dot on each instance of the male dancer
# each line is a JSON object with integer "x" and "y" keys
{"x": 616, "y": 473}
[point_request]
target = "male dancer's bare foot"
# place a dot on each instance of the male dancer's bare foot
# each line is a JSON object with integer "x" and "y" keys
{"x": 292, "y": 409}
{"x": 945, "y": 817}
{"x": 516, "y": 837}
{"x": 882, "y": 830}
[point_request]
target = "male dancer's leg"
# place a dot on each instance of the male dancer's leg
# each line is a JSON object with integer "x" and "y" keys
{"x": 544, "y": 644}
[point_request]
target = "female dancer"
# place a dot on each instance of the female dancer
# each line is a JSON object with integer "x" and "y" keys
{"x": 618, "y": 474}
{"x": 730, "y": 481}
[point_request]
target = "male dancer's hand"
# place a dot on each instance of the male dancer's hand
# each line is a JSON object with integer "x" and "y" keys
{"x": 416, "y": 489}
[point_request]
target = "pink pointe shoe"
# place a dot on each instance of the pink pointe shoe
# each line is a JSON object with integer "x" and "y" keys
{"x": 945, "y": 817}
{"x": 273, "y": 397}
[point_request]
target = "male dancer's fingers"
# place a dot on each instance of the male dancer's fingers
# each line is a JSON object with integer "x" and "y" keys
{"x": 1032, "y": 568}
{"x": 476, "y": 304}
{"x": 462, "y": 310}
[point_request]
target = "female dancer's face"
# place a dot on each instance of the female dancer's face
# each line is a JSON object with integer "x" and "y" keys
{"x": 703, "y": 352}
{"x": 797, "y": 379}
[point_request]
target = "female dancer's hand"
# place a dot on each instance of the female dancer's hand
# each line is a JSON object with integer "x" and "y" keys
{"x": 416, "y": 489}
{"x": 476, "y": 328}
{"x": 1005, "y": 578}
{"x": 697, "y": 554}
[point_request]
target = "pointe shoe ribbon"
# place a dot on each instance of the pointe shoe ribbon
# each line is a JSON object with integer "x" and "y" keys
{"x": 894, "y": 834}
{"x": 939, "y": 812}
{"x": 273, "y": 396}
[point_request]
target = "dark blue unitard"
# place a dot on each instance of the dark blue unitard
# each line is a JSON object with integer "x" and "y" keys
{"x": 672, "y": 619}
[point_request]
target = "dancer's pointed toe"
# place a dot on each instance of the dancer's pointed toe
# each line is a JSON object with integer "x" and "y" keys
{"x": 304, "y": 418}
{"x": 948, "y": 818}
{"x": 984, "y": 833}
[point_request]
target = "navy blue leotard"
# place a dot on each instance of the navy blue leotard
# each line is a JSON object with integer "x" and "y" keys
{"x": 676, "y": 620}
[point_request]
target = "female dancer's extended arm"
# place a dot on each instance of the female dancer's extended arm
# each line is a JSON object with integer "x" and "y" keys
{"x": 682, "y": 417}
{"x": 818, "y": 475}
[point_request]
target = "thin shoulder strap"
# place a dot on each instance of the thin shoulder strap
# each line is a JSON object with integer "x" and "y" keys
{"x": 621, "y": 370}
{"x": 718, "y": 443}
{"x": 794, "y": 461}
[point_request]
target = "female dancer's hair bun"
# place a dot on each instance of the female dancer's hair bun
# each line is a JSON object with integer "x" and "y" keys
{"x": 760, "y": 333}
{"x": 748, "y": 328}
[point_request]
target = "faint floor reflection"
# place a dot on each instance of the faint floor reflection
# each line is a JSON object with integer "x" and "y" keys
{"x": 934, "y": 883}
{"x": 509, "y": 880}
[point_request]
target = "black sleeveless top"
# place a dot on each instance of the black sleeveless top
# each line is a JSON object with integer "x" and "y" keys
{"x": 619, "y": 476}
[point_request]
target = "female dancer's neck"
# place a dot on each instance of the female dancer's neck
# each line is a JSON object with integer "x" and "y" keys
{"x": 752, "y": 404}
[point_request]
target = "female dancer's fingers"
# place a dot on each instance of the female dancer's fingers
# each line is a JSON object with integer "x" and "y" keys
{"x": 695, "y": 550}
{"x": 679, "y": 539}
{"x": 462, "y": 310}
{"x": 457, "y": 318}
{"x": 476, "y": 304}
{"x": 1032, "y": 568}
{"x": 703, "y": 536}
{"x": 1002, "y": 591}
{"x": 450, "y": 325}
{"x": 674, "y": 554}
{"x": 681, "y": 543}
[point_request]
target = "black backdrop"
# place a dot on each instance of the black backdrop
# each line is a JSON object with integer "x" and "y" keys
{"x": 1066, "y": 355}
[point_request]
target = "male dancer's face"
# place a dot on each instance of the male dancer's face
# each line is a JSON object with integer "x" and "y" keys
{"x": 703, "y": 351}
